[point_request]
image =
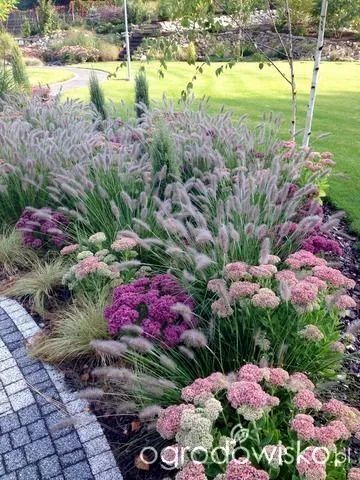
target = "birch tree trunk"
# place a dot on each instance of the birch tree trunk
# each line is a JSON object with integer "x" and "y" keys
{"x": 292, "y": 74}
{"x": 314, "y": 82}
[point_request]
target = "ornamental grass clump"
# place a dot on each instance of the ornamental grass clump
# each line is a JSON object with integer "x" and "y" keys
{"x": 255, "y": 423}
{"x": 43, "y": 228}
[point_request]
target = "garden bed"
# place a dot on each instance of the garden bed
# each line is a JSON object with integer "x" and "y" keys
{"x": 188, "y": 281}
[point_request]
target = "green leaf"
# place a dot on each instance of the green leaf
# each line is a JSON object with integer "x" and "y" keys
{"x": 261, "y": 65}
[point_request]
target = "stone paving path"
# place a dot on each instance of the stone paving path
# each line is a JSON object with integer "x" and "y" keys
{"x": 34, "y": 401}
{"x": 80, "y": 79}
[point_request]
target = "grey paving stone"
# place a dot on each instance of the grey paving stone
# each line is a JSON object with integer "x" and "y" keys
{"x": 10, "y": 375}
{"x": 101, "y": 462}
{"x": 16, "y": 387}
{"x": 67, "y": 444}
{"x": 19, "y": 353}
{"x": 37, "y": 430}
{"x": 39, "y": 449}
{"x": 28, "y": 473}
{"x": 14, "y": 460}
{"x": 4, "y": 354}
{"x": 10, "y": 362}
{"x": 29, "y": 415}
{"x": 5, "y": 408}
{"x": 38, "y": 377}
{"x": 2, "y": 469}
{"x": 90, "y": 431}
{"x": 20, "y": 437}
{"x": 9, "y": 423}
{"x": 21, "y": 399}
{"x": 30, "y": 369}
{"x": 12, "y": 337}
{"x": 80, "y": 471}
{"x": 112, "y": 474}
{"x": 95, "y": 446}
{"x": 72, "y": 458}
{"x": 49, "y": 467}
{"x": 5, "y": 444}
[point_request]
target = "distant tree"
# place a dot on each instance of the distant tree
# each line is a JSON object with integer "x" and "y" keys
{"x": 48, "y": 19}
{"x": 18, "y": 68}
{"x": 341, "y": 14}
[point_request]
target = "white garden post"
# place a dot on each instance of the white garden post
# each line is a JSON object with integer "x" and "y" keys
{"x": 127, "y": 40}
{"x": 319, "y": 47}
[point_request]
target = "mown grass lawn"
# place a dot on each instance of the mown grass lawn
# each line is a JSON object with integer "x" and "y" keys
{"x": 247, "y": 90}
{"x": 44, "y": 75}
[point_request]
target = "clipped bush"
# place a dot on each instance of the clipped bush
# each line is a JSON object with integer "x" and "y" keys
{"x": 18, "y": 69}
{"x": 191, "y": 55}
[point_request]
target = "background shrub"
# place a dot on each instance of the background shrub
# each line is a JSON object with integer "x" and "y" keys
{"x": 141, "y": 93}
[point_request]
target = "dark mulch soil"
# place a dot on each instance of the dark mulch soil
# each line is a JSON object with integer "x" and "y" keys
{"x": 122, "y": 430}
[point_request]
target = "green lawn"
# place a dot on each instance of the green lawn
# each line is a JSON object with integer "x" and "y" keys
{"x": 44, "y": 75}
{"x": 247, "y": 90}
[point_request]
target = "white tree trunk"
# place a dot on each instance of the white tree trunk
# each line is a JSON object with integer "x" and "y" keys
{"x": 319, "y": 47}
{"x": 292, "y": 74}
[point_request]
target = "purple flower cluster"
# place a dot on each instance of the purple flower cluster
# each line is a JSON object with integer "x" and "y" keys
{"x": 322, "y": 244}
{"x": 155, "y": 304}
{"x": 42, "y": 227}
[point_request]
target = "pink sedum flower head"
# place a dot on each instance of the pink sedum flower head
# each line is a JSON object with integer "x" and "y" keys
{"x": 299, "y": 381}
{"x": 69, "y": 249}
{"x": 311, "y": 464}
{"x": 304, "y": 426}
{"x": 124, "y": 243}
{"x": 217, "y": 285}
{"x": 276, "y": 377}
{"x": 250, "y": 373}
{"x": 303, "y": 293}
{"x": 354, "y": 474}
{"x": 250, "y": 400}
{"x": 286, "y": 276}
{"x": 204, "y": 388}
{"x": 333, "y": 276}
{"x": 329, "y": 434}
{"x": 343, "y": 302}
{"x": 239, "y": 290}
{"x": 265, "y": 298}
{"x": 306, "y": 400}
{"x": 236, "y": 271}
{"x": 337, "y": 347}
{"x": 192, "y": 471}
{"x": 242, "y": 469}
{"x": 304, "y": 259}
{"x": 312, "y": 333}
{"x": 169, "y": 420}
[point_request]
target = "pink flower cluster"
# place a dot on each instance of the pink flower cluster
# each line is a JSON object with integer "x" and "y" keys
{"x": 354, "y": 474}
{"x": 304, "y": 259}
{"x": 333, "y": 276}
{"x": 349, "y": 416}
{"x": 242, "y": 469}
{"x": 322, "y": 244}
{"x": 42, "y": 227}
{"x": 203, "y": 388}
{"x": 168, "y": 423}
{"x": 312, "y": 464}
{"x": 276, "y": 377}
{"x": 250, "y": 399}
{"x": 192, "y": 471}
{"x": 305, "y": 400}
{"x": 87, "y": 266}
{"x": 153, "y": 303}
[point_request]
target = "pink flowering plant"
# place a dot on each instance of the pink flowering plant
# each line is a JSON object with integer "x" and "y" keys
{"x": 257, "y": 423}
{"x": 289, "y": 316}
{"x": 43, "y": 228}
{"x": 97, "y": 262}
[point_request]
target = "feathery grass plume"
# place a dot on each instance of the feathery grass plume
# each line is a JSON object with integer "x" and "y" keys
{"x": 194, "y": 338}
{"x": 18, "y": 69}
{"x": 118, "y": 374}
{"x": 38, "y": 285}
{"x": 13, "y": 254}
{"x": 97, "y": 96}
{"x": 135, "y": 329}
{"x": 187, "y": 352}
{"x": 109, "y": 347}
{"x": 150, "y": 413}
{"x": 92, "y": 393}
{"x": 141, "y": 345}
{"x": 73, "y": 331}
{"x": 142, "y": 100}
{"x": 167, "y": 362}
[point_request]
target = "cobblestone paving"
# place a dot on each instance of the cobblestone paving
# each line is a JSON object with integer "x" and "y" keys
{"x": 34, "y": 401}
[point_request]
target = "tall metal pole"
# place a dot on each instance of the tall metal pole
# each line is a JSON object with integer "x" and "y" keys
{"x": 127, "y": 39}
